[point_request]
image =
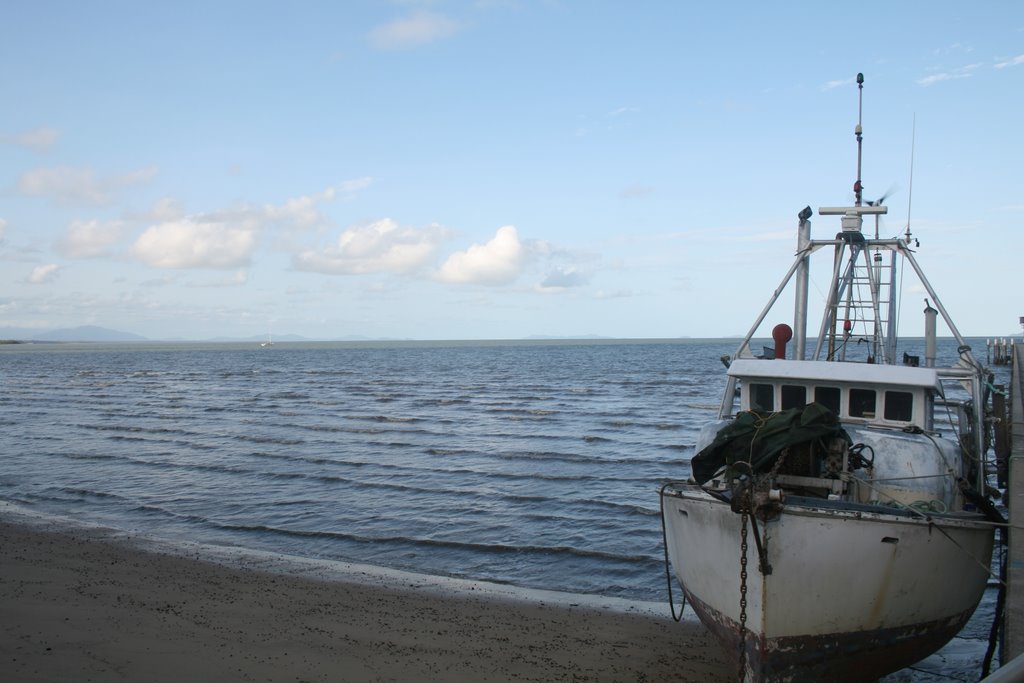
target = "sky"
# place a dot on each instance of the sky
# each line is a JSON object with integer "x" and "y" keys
{"x": 492, "y": 169}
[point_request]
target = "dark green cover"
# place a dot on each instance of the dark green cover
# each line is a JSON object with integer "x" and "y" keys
{"x": 758, "y": 438}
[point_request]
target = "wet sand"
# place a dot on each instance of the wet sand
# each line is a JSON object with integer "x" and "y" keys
{"x": 89, "y": 605}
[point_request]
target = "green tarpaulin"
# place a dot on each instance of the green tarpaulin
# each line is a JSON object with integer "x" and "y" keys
{"x": 758, "y": 438}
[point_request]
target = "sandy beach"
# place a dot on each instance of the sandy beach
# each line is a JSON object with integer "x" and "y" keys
{"x": 90, "y": 605}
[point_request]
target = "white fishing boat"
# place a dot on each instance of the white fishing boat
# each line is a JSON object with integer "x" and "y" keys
{"x": 835, "y": 526}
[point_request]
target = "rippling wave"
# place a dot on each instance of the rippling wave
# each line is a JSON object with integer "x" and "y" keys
{"x": 527, "y": 463}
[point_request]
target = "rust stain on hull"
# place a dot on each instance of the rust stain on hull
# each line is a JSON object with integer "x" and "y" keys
{"x": 852, "y": 657}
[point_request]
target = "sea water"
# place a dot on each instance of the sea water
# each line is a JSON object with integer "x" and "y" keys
{"x": 535, "y": 464}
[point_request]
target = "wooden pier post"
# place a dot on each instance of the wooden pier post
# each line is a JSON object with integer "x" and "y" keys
{"x": 999, "y": 351}
{"x": 1014, "y": 620}
{"x": 1001, "y": 441}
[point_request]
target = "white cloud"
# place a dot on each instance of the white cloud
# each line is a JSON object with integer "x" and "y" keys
{"x": 163, "y": 210}
{"x": 297, "y": 211}
{"x": 302, "y": 212}
{"x": 195, "y": 243}
{"x": 137, "y": 177}
{"x": 91, "y": 239}
{"x": 383, "y": 246}
{"x": 3, "y": 229}
{"x": 66, "y": 185}
{"x": 955, "y": 74}
{"x": 420, "y": 28}
{"x": 167, "y": 209}
{"x": 227, "y": 238}
{"x": 77, "y": 186}
{"x": 43, "y": 274}
{"x": 938, "y": 78}
{"x": 1015, "y": 61}
{"x": 39, "y": 139}
{"x": 563, "y": 278}
{"x": 350, "y": 187}
{"x": 497, "y": 262}
{"x": 830, "y": 85}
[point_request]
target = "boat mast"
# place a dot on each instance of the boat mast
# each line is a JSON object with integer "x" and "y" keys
{"x": 858, "y": 189}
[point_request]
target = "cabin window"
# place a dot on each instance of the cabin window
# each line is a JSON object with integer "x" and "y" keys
{"x": 793, "y": 396}
{"x": 862, "y": 403}
{"x": 762, "y": 397}
{"x": 828, "y": 397}
{"x": 899, "y": 406}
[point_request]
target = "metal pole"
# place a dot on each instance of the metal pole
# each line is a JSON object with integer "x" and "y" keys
{"x": 771, "y": 302}
{"x": 873, "y": 284}
{"x": 858, "y": 131}
{"x": 830, "y": 322}
{"x": 832, "y": 306}
{"x": 802, "y": 278}
{"x": 891, "y": 326}
{"x": 938, "y": 304}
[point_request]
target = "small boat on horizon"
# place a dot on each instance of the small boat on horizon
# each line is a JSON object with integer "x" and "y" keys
{"x": 835, "y": 526}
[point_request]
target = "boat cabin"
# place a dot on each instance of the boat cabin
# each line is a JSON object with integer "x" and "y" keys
{"x": 858, "y": 393}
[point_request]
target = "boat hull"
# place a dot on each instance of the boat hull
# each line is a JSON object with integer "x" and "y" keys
{"x": 852, "y": 593}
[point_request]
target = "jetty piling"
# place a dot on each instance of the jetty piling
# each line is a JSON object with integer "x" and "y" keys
{"x": 1000, "y": 351}
{"x": 1014, "y": 616}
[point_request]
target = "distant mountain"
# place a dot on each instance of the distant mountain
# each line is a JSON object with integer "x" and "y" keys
{"x": 16, "y": 333}
{"x": 87, "y": 333}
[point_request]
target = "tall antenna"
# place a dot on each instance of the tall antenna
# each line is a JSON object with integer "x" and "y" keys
{"x": 910, "y": 193}
{"x": 857, "y": 186}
